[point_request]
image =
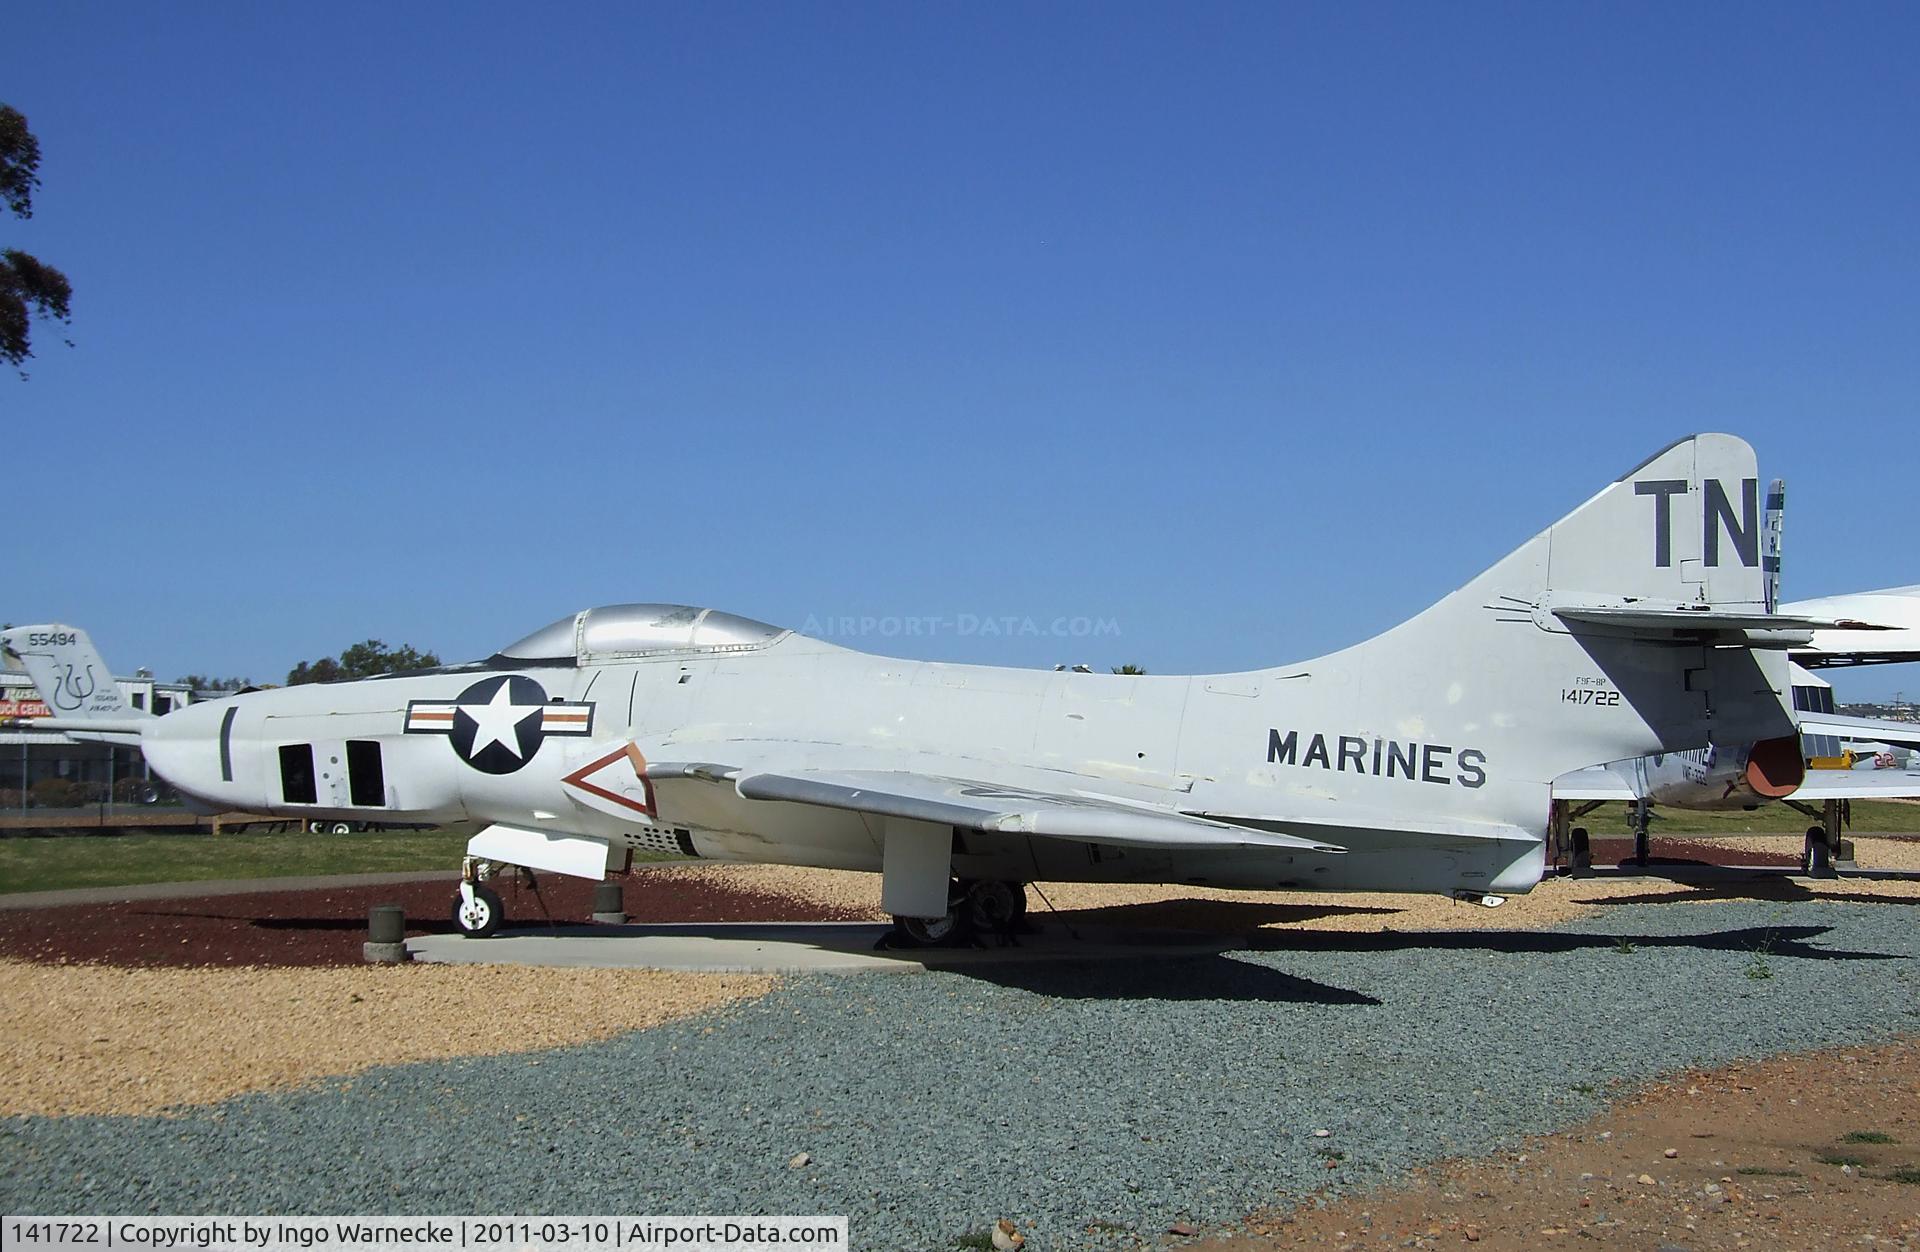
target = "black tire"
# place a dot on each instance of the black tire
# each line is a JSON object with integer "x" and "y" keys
{"x": 486, "y": 915}
{"x": 1817, "y": 859}
{"x": 933, "y": 932}
{"x": 996, "y": 907}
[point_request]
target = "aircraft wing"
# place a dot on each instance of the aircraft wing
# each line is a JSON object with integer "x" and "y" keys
{"x": 1861, "y": 729}
{"x": 1013, "y": 810}
{"x": 1087, "y": 816}
{"x": 1596, "y": 782}
{"x": 1860, "y": 784}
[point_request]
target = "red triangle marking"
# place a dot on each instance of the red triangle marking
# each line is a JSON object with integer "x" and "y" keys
{"x": 579, "y": 779}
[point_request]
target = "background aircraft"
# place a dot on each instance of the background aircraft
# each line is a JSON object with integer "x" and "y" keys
{"x": 1421, "y": 760}
{"x": 1814, "y": 772}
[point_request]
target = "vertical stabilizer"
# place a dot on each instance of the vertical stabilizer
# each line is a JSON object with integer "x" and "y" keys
{"x": 1619, "y": 631}
{"x": 71, "y": 677}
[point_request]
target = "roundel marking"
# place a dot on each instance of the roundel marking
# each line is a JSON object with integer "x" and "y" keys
{"x": 498, "y": 723}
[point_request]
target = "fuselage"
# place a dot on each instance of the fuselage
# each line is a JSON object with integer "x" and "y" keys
{"x": 1254, "y": 746}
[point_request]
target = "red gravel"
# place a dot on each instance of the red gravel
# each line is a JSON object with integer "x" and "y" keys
{"x": 327, "y": 927}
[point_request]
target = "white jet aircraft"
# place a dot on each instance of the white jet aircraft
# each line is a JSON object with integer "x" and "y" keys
{"x": 1421, "y": 760}
{"x": 1742, "y": 777}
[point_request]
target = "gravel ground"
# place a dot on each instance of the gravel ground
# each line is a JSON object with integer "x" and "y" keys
{"x": 95, "y": 1039}
{"x": 1091, "y": 1104}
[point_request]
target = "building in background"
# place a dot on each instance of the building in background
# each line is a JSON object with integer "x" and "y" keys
{"x": 43, "y": 772}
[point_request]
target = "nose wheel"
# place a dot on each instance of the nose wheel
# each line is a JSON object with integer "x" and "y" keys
{"x": 477, "y": 910}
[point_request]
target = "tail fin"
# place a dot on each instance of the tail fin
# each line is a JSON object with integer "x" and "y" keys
{"x": 1619, "y": 631}
{"x": 75, "y": 683}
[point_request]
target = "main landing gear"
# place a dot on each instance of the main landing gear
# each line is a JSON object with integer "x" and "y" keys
{"x": 1824, "y": 846}
{"x": 976, "y": 908}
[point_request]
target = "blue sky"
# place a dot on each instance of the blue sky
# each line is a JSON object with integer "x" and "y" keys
{"x": 1241, "y": 331}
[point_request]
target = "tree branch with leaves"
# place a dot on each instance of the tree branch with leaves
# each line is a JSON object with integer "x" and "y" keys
{"x": 29, "y": 287}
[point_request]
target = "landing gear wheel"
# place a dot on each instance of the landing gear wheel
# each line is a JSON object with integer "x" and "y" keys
{"x": 1817, "y": 860}
{"x": 1582, "y": 852}
{"x": 341, "y": 828}
{"x": 482, "y": 915}
{"x": 996, "y": 907}
{"x": 931, "y": 932}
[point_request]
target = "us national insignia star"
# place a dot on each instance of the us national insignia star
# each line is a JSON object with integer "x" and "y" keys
{"x": 498, "y": 724}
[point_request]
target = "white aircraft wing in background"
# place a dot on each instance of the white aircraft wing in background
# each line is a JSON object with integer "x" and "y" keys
{"x": 1861, "y": 729}
{"x": 1897, "y": 608}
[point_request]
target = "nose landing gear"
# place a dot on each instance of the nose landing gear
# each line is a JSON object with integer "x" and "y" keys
{"x": 477, "y": 910}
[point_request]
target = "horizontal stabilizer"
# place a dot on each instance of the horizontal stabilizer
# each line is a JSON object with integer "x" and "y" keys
{"x": 1628, "y": 617}
{"x": 91, "y": 729}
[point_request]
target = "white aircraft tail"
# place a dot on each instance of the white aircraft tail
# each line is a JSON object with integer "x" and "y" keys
{"x": 1619, "y": 631}
{"x": 72, "y": 679}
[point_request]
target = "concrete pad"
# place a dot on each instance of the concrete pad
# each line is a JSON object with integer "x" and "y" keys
{"x": 790, "y": 948}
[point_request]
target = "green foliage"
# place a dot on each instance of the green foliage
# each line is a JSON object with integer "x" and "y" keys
{"x": 201, "y": 682}
{"x": 1766, "y": 1171}
{"x": 1622, "y": 946}
{"x": 975, "y": 1241}
{"x": 28, "y": 286}
{"x": 1129, "y": 669}
{"x": 1867, "y": 1136}
{"x": 1759, "y": 967}
{"x": 365, "y": 659}
{"x": 1906, "y": 1173}
{"x": 19, "y": 162}
{"x": 1839, "y": 1158}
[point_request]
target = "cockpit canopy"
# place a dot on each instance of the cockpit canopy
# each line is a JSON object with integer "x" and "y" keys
{"x": 613, "y": 631}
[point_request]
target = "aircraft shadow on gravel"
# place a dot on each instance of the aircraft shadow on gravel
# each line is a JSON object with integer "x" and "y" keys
{"x": 1231, "y": 917}
{"x": 1777, "y": 893}
{"x": 1782, "y": 941}
{"x": 1168, "y": 978}
{"x": 323, "y": 925}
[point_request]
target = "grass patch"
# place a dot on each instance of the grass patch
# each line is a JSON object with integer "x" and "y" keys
{"x": 1623, "y": 946}
{"x": 1867, "y": 1136}
{"x": 1875, "y": 816}
{"x": 1766, "y": 1171}
{"x": 1908, "y": 1174}
{"x": 1839, "y": 1158}
{"x": 51, "y": 863}
{"x": 975, "y": 1241}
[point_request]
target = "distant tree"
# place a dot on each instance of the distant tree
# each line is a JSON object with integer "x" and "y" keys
{"x": 1128, "y": 669}
{"x": 27, "y": 286}
{"x": 200, "y": 682}
{"x": 363, "y": 660}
